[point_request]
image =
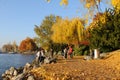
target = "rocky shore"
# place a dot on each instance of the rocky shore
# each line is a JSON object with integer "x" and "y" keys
{"x": 18, "y": 74}
{"x": 23, "y": 73}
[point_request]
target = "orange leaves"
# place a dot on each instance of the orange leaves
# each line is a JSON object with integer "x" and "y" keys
{"x": 27, "y": 45}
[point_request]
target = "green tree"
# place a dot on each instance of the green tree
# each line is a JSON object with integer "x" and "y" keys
{"x": 44, "y": 32}
{"x": 106, "y": 36}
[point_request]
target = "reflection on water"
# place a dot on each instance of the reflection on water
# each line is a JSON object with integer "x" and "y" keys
{"x": 15, "y": 60}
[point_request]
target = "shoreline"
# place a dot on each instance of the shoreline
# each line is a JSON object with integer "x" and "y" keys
{"x": 16, "y": 60}
{"x": 23, "y": 72}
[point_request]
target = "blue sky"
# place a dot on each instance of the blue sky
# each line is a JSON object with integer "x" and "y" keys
{"x": 18, "y": 17}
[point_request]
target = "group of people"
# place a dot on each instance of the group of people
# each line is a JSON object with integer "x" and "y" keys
{"x": 40, "y": 55}
{"x": 68, "y": 52}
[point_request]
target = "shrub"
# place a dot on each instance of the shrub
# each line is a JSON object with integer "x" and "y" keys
{"x": 81, "y": 50}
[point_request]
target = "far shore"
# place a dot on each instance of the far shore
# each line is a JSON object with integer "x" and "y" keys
{"x": 26, "y": 53}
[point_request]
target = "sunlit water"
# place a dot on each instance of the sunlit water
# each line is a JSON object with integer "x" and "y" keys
{"x": 15, "y": 60}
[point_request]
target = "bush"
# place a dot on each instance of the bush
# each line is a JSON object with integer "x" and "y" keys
{"x": 81, "y": 50}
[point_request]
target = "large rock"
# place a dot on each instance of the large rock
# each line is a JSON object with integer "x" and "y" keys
{"x": 47, "y": 60}
{"x": 15, "y": 73}
{"x": 87, "y": 58}
{"x": 19, "y": 77}
{"x": 27, "y": 67}
{"x": 53, "y": 60}
{"x": 7, "y": 72}
{"x": 20, "y": 70}
{"x": 30, "y": 78}
{"x": 3, "y": 75}
{"x": 50, "y": 60}
{"x": 11, "y": 70}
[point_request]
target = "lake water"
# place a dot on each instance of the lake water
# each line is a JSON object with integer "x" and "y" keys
{"x": 15, "y": 60}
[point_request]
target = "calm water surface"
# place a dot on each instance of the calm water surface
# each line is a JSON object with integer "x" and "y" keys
{"x": 15, "y": 60}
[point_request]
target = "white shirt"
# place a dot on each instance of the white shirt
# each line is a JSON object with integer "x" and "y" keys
{"x": 38, "y": 54}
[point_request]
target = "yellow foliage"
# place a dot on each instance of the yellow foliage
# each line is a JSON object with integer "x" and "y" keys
{"x": 64, "y": 2}
{"x": 68, "y": 31}
{"x": 103, "y": 18}
{"x": 116, "y": 3}
{"x": 87, "y": 5}
{"x": 48, "y": 1}
{"x": 99, "y": 17}
{"x": 59, "y": 31}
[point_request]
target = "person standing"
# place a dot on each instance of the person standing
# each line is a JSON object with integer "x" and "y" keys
{"x": 70, "y": 51}
{"x": 42, "y": 56}
{"x": 38, "y": 57}
{"x": 51, "y": 52}
{"x": 65, "y": 52}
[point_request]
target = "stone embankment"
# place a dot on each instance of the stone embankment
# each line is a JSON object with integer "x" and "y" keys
{"x": 18, "y": 73}
{"x": 23, "y": 73}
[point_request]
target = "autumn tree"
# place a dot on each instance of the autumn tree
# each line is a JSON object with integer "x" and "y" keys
{"x": 68, "y": 31}
{"x": 27, "y": 45}
{"x": 44, "y": 32}
{"x": 93, "y": 5}
{"x": 10, "y": 47}
{"x": 7, "y": 48}
{"x": 87, "y": 3}
{"x": 116, "y": 3}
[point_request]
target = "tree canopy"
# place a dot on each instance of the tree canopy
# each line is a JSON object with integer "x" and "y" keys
{"x": 27, "y": 45}
{"x": 116, "y": 3}
{"x": 44, "y": 32}
{"x": 68, "y": 31}
{"x": 106, "y": 35}
{"x": 10, "y": 47}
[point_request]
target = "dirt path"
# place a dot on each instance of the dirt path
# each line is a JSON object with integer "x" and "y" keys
{"x": 79, "y": 69}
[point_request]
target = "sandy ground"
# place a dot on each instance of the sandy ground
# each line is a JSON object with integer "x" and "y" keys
{"x": 79, "y": 69}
